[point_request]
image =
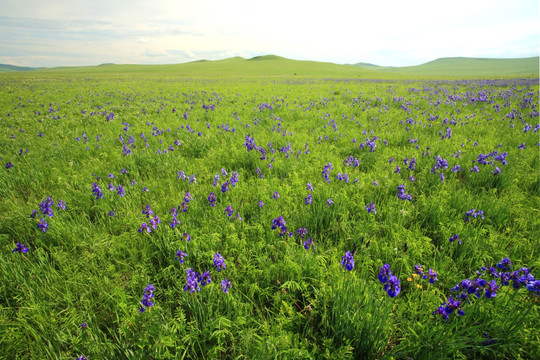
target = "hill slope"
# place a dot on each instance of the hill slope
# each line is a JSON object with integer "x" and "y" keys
{"x": 276, "y": 66}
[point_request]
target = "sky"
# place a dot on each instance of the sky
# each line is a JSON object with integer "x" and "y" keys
{"x": 383, "y": 32}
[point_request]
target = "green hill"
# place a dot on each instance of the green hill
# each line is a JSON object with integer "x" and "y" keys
{"x": 276, "y": 66}
{"x": 469, "y": 67}
{"x": 13, "y": 68}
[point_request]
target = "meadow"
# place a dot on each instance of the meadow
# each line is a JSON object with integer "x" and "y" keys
{"x": 155, "y": 217}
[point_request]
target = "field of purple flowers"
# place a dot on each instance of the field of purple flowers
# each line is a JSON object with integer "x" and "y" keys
{"x": 263, "y": 219}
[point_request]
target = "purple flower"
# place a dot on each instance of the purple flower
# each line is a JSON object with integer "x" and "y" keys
{"x": 97, "y": 191}
{"x": 225, "y": 285}
{"x": 491, "y": 289}
{"x": 392, "y": 287}
{"x": 375, "y": 183}
{"x": 186, "y": 237}
{"x": 180, "y": 255}
{"x": 192, "y": 281}
{"x": 43, "y": 225}
{"x": 329, "y": 202}
{"x": 307, "y": 243}
{"x": 225, "y": 187}
{"x": 84, "y": 325}
{"x": 111, "y": 213}
{"x": 145, "y": 227}
{"x": 431, "y": 275}
{"x": 205, "y": 278}
{"x": 212, "y": 199}
{"x": 120, "y": 190}
{"x": 384, "y": 273}
{"x": 148, "y": 295}
{"x": 147, "y": 211}
{"x": 62, "y": 204}
{"x": 275, "y": 196}
{"x": 455, "y": 237}
{"x": 261, "y": 204}
{"x": 20, "y": 248}
{"x": 371, "y": 208}
{"x": 309, "y": 199}
{"x": 9, "y": 165}
{"x": 347, "y": 261}
{"x": 522, "y": 146}
{"x": 219, "y": 262}
{"x": 309, "y": 187}
{"x": 229, "y": 210}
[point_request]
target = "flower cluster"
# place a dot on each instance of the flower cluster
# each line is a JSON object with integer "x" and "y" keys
{"x": 326, "y": 172}
{"x": 474, "y": 214}
{"x": 152, "y": 223}
{"x": 194, "y": 279}
{"x": 280, "y": 223}
{"x": 401, "y": 193}
{"x": 148, "y": 295}
{"x": 431, "y": 275}
{"x": 391, "y": 282}
{"x": 219, "y": 262}
{"x": 97, "y": 191}
{"x": 489, "y": 287}
{"x": 46, "y": 209}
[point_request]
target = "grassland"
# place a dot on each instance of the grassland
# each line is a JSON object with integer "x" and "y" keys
{"x": 135, "y": 153}
{"x": 275, "y": 66}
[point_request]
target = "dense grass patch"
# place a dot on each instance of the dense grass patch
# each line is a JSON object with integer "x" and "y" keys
{"x": 387, "y": 171}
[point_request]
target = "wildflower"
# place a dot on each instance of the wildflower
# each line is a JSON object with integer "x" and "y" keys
{"x": 186, "y": 237}
{"x": 392, "y": 287}
{"x": 491, "y": 289}
{"x": 111, "y": 213}
{"x": 307, "y": 243}
{"x": 279, "y": 223}
{"x": 432, "y": 275}
{"x": 229, "y": 210}
{"x": 120, "y": 190}
{"x": 147, "y": 211}
{"x": 261, "y": 204}
{"x": 275, "y": 196}
{"x": 84, "y": 325}
{"x": 43, "y": 225}
{"x": 302, "y": 232}
{"x": 192, "y": 281}
{"x": 20, "y": 248}
{"x": 9, "y": 165}
{"x": 148, "y": 295}
{"x": 212, "y": 199}
{"x": 97, "y": 191}
{"x": 375, "y": 183}
{"x": 329, "y": 202}
{"x": 219, "y": 262}
{"x": 384, "y": 273}
{"x": 62, "y": 204}
{"x": 225, "y": 187}
{"x": 46, "y": 207}
{"x": 309, "y": 187}
{"x": 192, "y": 179}
{"x": 496, "y": 171}
{"x": 505, "y": 264}
{"x": 401, "y": 193}
{"x": 225, "y": 285}
{"x": 455, "y": 237}
{"x": 309, "y": 199}
{"x": 145, "y": 227}
{"x": 475, "y": 169}
{"x": 371, "y": 208}
{"x": 205, "y": 278}
{"x": 348, "y": 261}
{"x": 522, "y": 146}
{"x": 180, "y": 255}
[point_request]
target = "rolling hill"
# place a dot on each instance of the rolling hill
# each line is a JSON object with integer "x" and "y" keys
{"x": 276, "y": 66}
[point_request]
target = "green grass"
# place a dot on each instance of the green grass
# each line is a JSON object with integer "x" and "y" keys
{"x": 285, "y": 302}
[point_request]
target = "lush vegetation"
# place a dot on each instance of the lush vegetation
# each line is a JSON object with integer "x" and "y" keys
{"x": 268, "y": 218}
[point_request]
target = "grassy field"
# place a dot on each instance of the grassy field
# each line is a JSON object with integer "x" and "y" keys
{"x": 275, "y": 66}
{"x": 214, "y": 210}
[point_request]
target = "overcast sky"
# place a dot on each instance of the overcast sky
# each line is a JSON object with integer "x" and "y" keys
{"x": 382, "y": 32}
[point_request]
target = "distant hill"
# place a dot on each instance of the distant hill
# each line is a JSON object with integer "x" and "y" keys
{"x": 12, "y": 68}
{"x": 277, "y": 66}
{"x": 469, "y": 67}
